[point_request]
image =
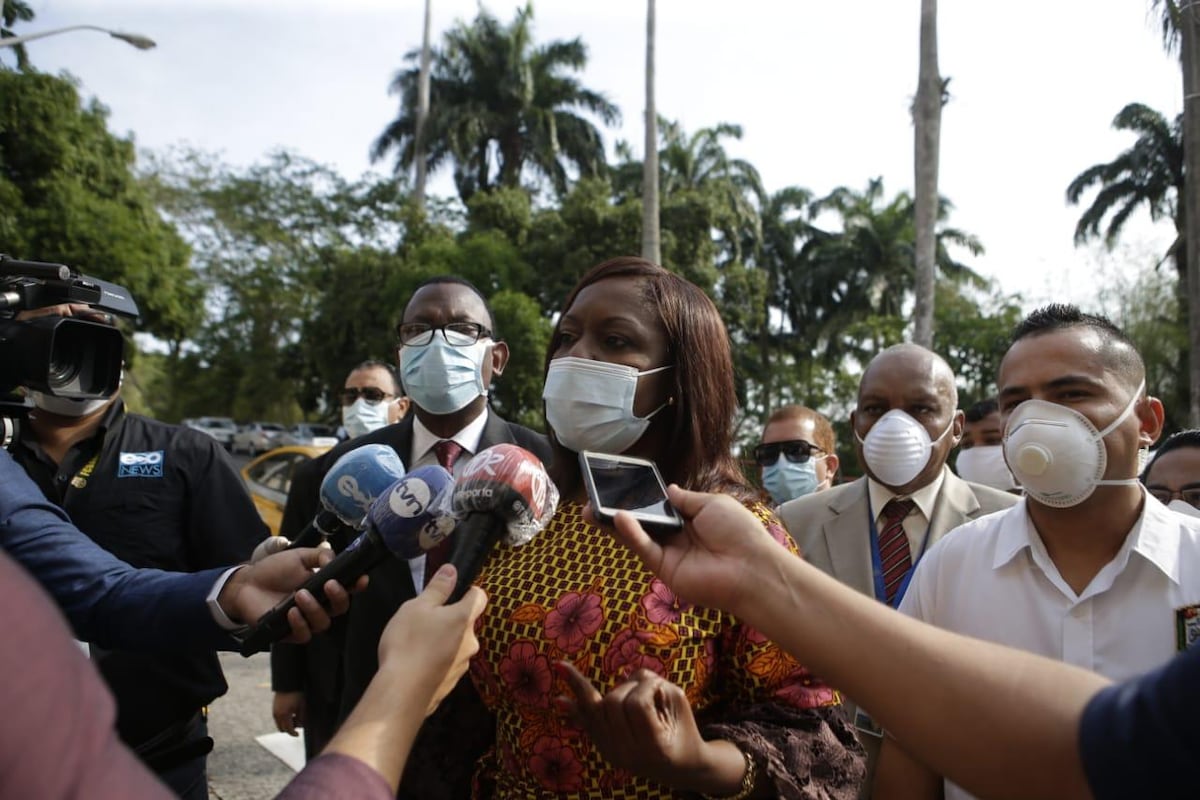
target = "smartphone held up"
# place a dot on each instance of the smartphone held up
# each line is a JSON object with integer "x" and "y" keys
{"x": 624, "y": 483}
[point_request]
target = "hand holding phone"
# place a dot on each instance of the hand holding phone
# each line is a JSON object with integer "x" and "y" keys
{"x": 624, "y": 483}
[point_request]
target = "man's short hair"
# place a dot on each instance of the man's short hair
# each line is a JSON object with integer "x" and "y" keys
{"x": 822, "y": 429}
{"x": 1119, "y": 351}
{"x": 491, "y": 316}
{"x": 1176, "y": 441}
{"x": 374, "y": 363}
{"x": 979, "y": 411}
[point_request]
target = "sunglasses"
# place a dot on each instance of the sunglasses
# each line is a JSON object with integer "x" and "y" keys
{"x": 369, "y": 393}
{"x": 796, "y": 451}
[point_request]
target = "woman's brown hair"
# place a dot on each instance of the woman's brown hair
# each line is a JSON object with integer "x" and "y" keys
{"x": 700, "y": 421}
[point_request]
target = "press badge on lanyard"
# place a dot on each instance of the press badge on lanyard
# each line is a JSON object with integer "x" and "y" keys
{"x": 862, "y": 720}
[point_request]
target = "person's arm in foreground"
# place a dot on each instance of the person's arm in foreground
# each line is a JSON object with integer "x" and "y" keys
{"x": 999, "y": 722}
{"x": 114, "y": 605}
{"x": 424, "y": 651}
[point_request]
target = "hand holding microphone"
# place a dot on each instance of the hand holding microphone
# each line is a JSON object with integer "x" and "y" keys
{"x": 504, "y": 492}
{"x": 349, "y": 489}
{"x": 413, "y": 515}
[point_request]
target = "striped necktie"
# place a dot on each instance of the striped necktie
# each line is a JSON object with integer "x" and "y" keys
{"x": 894, "y": 553}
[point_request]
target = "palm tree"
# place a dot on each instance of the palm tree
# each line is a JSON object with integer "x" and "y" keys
{"x": 651, "y": 239}
{"x": 500, "y": 106}
{"x": 1150, "y": 173}
{"x": 927, "y": 121}
{"x": 12, "y": 12}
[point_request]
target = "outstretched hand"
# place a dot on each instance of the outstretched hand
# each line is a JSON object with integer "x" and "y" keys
{"x": 715, "y": 560}
{"x": 257, "y": 588}
{"x": 430, "y": 642}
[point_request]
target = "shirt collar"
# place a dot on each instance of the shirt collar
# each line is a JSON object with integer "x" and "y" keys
{"x": 925, "y": 497}
{"x": 468, "y": 437}
{"x": 1155, "y": 536}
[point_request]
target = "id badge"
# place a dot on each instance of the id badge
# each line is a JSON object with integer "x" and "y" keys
{"x": 1187, "y": 627}
{"x": 864, "y": 724}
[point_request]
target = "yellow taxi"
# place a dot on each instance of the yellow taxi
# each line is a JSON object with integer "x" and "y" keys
{"x": 269, "y": 478}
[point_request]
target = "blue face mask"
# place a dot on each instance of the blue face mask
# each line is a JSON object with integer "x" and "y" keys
{"x": 785, "y": 480}
{"x": 442, "y": 378}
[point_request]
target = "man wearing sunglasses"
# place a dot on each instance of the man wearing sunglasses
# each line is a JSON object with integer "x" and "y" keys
{"x": 372, "y": 398}
{"x": 1173, "y": 475}
{"x": 870, "y": 533}
{"x": 449, "y": 355}
{"x": 798, "y": 453}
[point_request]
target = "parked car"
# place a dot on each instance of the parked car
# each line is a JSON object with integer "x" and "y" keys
{"x": 220, "y": 428}
{"x": 269, "y": 479}
{"x": 256, "y": 437}
{"x": 307, "y": 433}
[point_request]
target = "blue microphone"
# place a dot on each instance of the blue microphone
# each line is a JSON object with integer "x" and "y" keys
{"x": 411, "y": 516}
{"x": 348, "y": 490}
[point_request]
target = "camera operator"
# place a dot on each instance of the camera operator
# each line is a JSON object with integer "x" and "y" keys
{"x": 154, "y": 495}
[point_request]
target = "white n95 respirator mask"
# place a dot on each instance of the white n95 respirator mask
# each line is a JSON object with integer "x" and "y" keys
{"x": 1057, "y": 454}
{"x": 898, "y": 447}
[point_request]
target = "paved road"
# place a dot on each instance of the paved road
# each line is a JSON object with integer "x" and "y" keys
{"x": 239, "y": 768}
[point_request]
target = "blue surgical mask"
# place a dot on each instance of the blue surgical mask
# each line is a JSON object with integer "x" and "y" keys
{"x": 363, "y": 417}
{"x": 785, "y": 480}
{"x": 442, "y": 378}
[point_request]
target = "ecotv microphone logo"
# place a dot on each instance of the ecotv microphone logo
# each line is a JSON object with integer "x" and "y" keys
{"x": 140, "y": 465}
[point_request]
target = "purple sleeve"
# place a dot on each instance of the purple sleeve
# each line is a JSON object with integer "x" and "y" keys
{"x": 336, "y": 775}
{"x": 1140, "y": 738}
{"x": 56, "y": 734}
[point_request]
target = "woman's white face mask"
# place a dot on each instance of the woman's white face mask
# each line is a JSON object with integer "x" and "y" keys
{"x": 589, "y": 404}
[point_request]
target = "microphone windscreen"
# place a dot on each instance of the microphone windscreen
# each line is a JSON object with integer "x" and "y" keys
{"x": 511, "y": 483}
{"x": 357, "y": 478}
{"x": 416, "y": 513}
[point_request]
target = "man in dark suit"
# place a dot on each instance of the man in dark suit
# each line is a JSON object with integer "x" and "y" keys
{"x": 869, "y": 534}
{"x": 449, "y": 355}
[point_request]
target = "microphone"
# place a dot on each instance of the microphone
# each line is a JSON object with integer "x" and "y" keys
{"x": 503, "y": 490}
{"x": 411, "y": 516}
{"x": 348, "y": 490}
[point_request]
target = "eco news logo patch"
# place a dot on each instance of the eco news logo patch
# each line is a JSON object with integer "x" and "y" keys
{"x": 141, "y": 465}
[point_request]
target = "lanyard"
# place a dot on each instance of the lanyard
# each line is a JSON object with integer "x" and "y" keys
{"x": 877, "y": 562}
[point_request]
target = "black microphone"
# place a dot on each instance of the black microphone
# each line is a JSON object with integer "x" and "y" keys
{"x": 348, "y": 490}
{"x": 503, "y": 490}
{"x": 411, "y": 517}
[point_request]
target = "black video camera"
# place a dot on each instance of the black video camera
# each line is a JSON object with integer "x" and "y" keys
{"x": 61, "y": 356}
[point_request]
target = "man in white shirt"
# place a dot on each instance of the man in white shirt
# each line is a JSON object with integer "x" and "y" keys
{"x": 1087, "y": 568}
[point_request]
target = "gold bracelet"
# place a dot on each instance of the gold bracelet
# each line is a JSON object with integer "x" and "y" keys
{"x": 749, "y": 779}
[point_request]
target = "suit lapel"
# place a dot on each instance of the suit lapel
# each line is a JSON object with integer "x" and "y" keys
{"x": 495, "y": 431}
{"x": 848, "y": 540}
{"x": 955, "y": 504}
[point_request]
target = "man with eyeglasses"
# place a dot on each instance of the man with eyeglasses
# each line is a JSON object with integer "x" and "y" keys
{"x": 798, "y": 453}
{"x": 1173, "y": 475}
{"x": 449, "y": 354}
{"x": 870, "y": 533}
{"x": 306, "y": 679}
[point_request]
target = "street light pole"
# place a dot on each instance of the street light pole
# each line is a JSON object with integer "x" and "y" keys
{"x": 137, "y": 40}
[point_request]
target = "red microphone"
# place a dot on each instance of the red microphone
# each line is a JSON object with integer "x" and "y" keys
{"x": 504, "y": 492}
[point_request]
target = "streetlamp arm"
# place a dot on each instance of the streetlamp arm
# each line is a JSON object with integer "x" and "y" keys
{"x": 138, "y": 41}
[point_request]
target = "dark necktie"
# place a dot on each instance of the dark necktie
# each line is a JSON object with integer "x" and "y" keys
{"x": 894, "y": 553}
{"x": 447, "y": 452}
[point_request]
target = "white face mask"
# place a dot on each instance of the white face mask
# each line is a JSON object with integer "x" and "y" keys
{"x": 1057, "y": 454}
{"x": 589, "y": 404}
{"x": 985, "y": 464}
{"x": 898, "y": 447}
{"x": 362, "y": 417}
{"x": 1183, "y": 508}
{"x": 66, "y": 406}
{"x": 442, "y": 378}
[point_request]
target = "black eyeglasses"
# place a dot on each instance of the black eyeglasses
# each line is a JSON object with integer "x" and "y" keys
{"x": 457, "y": 334}
{"x": 369, "y": 393}
{"x": 1188, "y": 494}
{"x": 796, "y": 451}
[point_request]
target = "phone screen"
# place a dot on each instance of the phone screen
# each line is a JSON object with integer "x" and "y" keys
{"x": 625, "y": 484}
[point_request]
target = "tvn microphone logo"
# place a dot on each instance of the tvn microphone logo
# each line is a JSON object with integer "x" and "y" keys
{"x": 141, "y": 465}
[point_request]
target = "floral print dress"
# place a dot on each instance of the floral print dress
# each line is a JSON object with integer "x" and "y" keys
{"x": 574, "y": 593}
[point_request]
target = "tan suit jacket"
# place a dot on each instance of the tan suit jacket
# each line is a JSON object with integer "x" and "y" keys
{"x": 832, "y": 530}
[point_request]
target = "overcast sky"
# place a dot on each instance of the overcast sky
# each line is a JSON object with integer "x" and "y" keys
{"x": 821, "y": 88}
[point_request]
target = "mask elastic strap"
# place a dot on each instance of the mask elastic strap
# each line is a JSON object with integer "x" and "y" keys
{"x": 652, "y": 371}
{"x": 1112, "y": 426}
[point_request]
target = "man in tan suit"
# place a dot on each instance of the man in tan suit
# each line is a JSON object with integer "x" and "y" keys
{"x": 870, "y": 533}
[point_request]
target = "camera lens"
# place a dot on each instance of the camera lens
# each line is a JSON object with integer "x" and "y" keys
{"x": 63, "y": 369}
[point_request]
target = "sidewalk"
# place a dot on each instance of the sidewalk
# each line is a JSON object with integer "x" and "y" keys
{"x": 238, "y": 767}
